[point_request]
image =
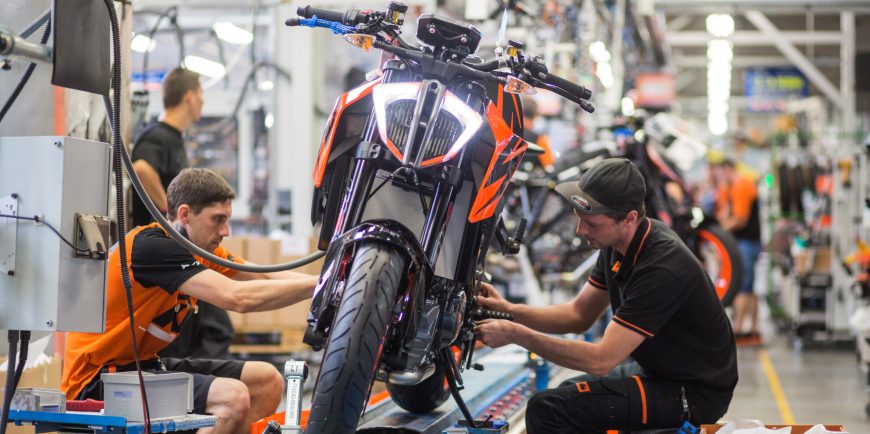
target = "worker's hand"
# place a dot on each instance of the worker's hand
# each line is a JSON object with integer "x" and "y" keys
{"x": 495, "y": 332}
{"x": 489, "y": 298}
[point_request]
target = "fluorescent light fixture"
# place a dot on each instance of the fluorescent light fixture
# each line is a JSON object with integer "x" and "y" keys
{"x": 142, "y": 43}
{"x": 627, "y": 106}
{"x": 720, "y": 25}
{"x": 203, "y": 66}
{"x": 718, "y": 124}
{"x": 265, "y": 86}
{"x": 717, "y": 107}
{"x": 720, "y": 50}
{"x": 605, "y": 74}
{"x": 599, "y": 52}
{"x": 269, "y": 120}
{"x": 232, "y": 33}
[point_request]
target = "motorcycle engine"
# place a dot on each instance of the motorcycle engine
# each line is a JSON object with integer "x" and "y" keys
{"x": 450, "y": 323}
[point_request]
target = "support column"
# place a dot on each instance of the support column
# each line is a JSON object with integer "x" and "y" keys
{"x": 847, "y": 75}
{"x": 294, "y": 138}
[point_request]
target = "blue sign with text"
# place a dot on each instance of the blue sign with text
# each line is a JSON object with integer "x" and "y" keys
{"x": 768, "y": 89}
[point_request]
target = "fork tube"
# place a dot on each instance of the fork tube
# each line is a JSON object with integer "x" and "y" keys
{"x": 436, "y": 221}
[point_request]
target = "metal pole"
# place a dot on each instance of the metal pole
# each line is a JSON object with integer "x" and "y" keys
{"x": 847, "y": 75}
{"x": 613, "y": 96}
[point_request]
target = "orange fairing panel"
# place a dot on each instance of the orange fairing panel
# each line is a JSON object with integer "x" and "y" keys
{"x": 342, "y": 103}
{"x": 509, "y": 149}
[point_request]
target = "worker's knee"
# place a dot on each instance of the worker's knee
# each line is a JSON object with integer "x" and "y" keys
{"x": 263, "y": 377}
{"x": 229, "y": 399}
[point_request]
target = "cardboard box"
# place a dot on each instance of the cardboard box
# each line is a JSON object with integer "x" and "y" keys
{"x": 45, "y": 375}
{"x": 262, "y": 251}
{"x": 236, "y": 245}
{"x": 821, "y": 258}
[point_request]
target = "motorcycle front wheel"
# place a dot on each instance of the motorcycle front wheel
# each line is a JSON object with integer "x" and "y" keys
{"x": 718, "y": 251}
{"x": 356, "y": 339}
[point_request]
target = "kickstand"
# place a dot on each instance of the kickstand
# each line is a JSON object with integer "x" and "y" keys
{"x": 451, "y": 372}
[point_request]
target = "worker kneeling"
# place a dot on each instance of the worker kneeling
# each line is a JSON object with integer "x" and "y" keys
{"x": 666, "y": 316}
{"x": 167, "y": 281}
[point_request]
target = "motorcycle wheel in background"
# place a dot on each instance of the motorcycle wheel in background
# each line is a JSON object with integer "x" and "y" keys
{"x": 717, "y": 249}
{"x": 356, "y": 339}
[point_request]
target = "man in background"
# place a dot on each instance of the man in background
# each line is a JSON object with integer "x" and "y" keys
{"x": 737, "y": 212}
{"x": 158, "y": 150}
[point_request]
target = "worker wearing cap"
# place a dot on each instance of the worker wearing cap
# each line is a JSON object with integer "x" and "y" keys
{"x": 666, "y": 317}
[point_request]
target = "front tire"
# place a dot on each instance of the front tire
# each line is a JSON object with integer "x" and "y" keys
{"x": 718, "y": 251}
{"x": 356, "y": 339}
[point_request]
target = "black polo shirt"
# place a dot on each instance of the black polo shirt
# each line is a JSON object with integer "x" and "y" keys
{"x": 162, "y": 146}
{"x": 660, "y": 290}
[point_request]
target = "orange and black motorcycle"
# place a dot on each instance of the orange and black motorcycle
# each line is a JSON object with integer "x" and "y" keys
{"x": 409, "y": 186}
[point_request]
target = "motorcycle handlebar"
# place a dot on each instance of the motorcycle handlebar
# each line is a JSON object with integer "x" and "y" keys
{"x": 350, "y": 18}
{"x": 568, "y": 86}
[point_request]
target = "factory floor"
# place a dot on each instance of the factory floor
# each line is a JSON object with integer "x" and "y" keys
{"x": 817, "y": 382}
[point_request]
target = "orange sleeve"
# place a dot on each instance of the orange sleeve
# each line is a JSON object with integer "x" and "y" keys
{"x": 743, "y": 192}
{"x": 222, "y": 252}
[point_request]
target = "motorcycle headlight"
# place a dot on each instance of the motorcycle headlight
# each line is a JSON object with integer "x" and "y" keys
{"x": 395, "y": 105}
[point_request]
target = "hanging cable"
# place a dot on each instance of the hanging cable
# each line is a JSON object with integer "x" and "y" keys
{"x": 118, "y": 148}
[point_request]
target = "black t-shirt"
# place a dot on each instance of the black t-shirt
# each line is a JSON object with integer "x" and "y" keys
{"x": 162, "y": 147}
{"x": 158, "y": 260}
{"x": 660, "y": 290}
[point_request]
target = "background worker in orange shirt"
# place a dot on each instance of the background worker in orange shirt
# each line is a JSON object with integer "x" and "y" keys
{"x": 737, "y": 212}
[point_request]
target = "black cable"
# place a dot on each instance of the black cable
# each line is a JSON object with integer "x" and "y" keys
{"x": 10, "y": 379}
{"x": 118, "y": 148}
{"x": 171, "y": 13}
{"x": 27, "y": 73}
{"x": 22, "y": 358}
{"x": 39, "y": 219}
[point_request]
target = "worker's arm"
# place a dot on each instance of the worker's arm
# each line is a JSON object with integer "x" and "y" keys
{"x": 571, "y": 317}
{"x": 594, "y": 358}
{"x": 248, "y": 296}
{"x": 278, "y": 275}
{"x": 151, "y": 181}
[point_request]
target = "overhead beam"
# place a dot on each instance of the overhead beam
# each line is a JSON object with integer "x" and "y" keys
{"x": 749, "y": 38}
{"x": 770, "y": 32}
{"x": 680, "y": 22}
{"x": 744, "y": 61}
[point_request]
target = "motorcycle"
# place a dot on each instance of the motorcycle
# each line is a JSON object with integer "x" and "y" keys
{"x": 409, "y": 187}
{"x": 662, "y": 153}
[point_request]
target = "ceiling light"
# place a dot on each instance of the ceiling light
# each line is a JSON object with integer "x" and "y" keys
{"x": 720, "y": 50}
{"x": 232, "y": 33}
{"x": 142, "y": 43}
{"x": 605, "y": 74}
{"x": 718, "y": 124}
{"x": 265, "y": 86}
{"x": 720, "y": 25}
{"x": 269, "y": 121}
{"x": 599, "y": 52}
{"x": 203, "y": 66}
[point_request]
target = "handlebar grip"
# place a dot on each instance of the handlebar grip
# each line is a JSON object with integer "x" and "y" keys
{"x": 350, "y": 18}
{"x": 572, "y": 88}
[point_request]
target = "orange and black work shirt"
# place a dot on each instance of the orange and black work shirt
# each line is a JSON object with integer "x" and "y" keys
{"x": 659, "y": 290}
{"x": 741, "y": 198}
{"x": 158, "y": 267}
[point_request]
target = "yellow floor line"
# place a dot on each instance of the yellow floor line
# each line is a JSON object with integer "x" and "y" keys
{"x": 776, "y": 388}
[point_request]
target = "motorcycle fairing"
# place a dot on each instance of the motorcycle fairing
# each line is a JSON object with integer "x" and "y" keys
{"x": 509, "y": 150}
{"x": 341, "y": 104}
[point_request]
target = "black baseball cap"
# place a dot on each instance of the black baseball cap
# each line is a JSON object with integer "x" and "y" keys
{"x": 613, "y": 185}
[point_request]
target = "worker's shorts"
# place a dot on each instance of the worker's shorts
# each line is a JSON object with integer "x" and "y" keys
{"x": 204, "y": 372}
{"x": 623, "y": 400}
